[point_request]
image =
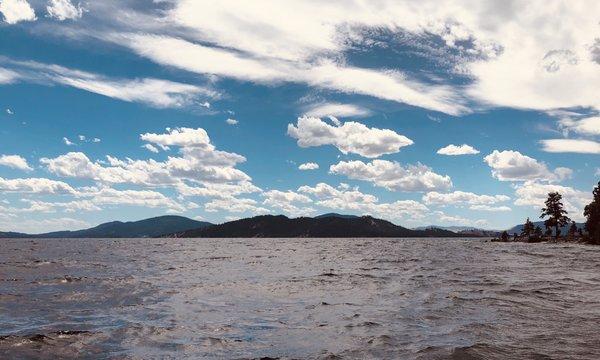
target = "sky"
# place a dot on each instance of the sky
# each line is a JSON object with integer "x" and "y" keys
{"x": 424, "y": 112}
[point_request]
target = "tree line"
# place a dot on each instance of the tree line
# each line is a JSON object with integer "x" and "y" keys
{"x": 555, "y": 218}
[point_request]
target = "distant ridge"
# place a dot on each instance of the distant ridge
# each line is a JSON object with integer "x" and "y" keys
{"x": 321, "y": 226}
{"x": 336, "y": 215}
{"x": 153, "y": 227}
{"x": 518, "y": 228}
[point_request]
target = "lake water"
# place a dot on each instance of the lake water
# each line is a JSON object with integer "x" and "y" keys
{"x": 298, "y": 298}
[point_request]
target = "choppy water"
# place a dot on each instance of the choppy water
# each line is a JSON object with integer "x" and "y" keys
{"x": 298, "y": 298}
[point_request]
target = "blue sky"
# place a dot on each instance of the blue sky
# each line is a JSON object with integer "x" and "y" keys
{"x": 417, "y": 112}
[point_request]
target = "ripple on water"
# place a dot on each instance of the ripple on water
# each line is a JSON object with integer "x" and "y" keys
{"x": 298, "y": 298}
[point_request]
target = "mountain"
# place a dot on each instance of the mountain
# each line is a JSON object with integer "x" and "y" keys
{"x": 330, "y": 226}
{"x": 152, "y": 227}
{"x": 463, "y": 230}
{"x": 518, "y": 228}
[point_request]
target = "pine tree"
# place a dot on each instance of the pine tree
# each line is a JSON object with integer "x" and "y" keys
{"x": 592, "y": 213}
{"x": 538, "y": 232}
{"x": 556, "y": 213}
{"x": 573, "y": 229}
{"x": 528, "y": 228}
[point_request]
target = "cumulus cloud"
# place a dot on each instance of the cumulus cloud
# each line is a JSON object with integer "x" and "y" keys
{"x": 200, "y": 162}
{"x": 349, "y": 137}
{"x": 509, "y": 165}
{"x": 344, "y": 198}
{"x": 68, "y": 142}
{"x": 231, "y": 122}
{"x": 64, "y": 10}
{"x": 145, "y": 198}
{"x": 535, "y": 194}
{"x": 308, "y": 166}
{"x": 502, "y": 208}
{"x": 15, "y": 11}
{"x": 235, "y": 205}
{"x": 289, "y": 202}
{"x": 462, "y": 197}
{"x": 150, "y": 148}
{"x": 15, "y": 162}
{"x": 463, "y": 149}
{"x": 336, "y": 109}
{"x": 35, "y": 185}
{"x": 393, "y": 176}
{"x": 571, "y": 146}
{"x": 34, "y": 226}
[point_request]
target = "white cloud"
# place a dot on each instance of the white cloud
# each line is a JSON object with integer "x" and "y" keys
{"x": 462, "y": 197}
{"x": 150, "y": 148}
{"x": 336, "y": 109}
{"x": 289, "y": 202}
{"x": 145, "y": 198}
{"x": 585, "y": 126}
{"x": 179, "y": 137}
{"x": 388, "y": 85}
{"x": 217, "y": 190}
{"x": 463, "y": 149}
{"x": 534, "y": 194}
{"x": 35, "y": 185}
{"x": 509, "y": 165}
{"x": 81, "y": 137}
{"x": 490, "y": 208}
{"x": 68, "y": 142}
{"x": 441, "y": 217}
{"x": 571, "y": 146}
{"x": 64, "y": 10}
{"x": 235, "y": 205}
{"x": 308, "y": 166}
{"x": 34, "y": 226}
{"x": 154, "y": 92}
{"x": 9, "y": 112}
{"x": 200, "y": 162}
{"x": 392, "y": 176}
{"x": 231, "y": 121}
{"x": 7, "y": 77}
{"x": 345, "y": 199}
{"x": 15, "y": 11}
{"x": 349, "y": 137}
{"x": 96, "y": 140}
{"x": 15, "y": 162}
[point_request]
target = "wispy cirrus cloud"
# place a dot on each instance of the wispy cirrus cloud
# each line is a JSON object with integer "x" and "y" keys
{"x": 150, "y": 91}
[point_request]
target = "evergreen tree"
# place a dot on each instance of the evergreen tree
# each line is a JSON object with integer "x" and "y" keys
{"x": 528, "y": 228}
{"x": 504, "y": 236}
{"x": 592, "y": 213}
{"x": 537, "y": 232}
{"x": 573, "y": 229}
{"x": 555, "y": 212}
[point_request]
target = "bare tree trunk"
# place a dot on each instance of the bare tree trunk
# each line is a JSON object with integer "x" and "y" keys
{"x": 557, "y": 231}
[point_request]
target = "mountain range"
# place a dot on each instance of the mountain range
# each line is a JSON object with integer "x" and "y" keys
{"x": 326, "y": 225}
{"x": 518, "y": 228}
{"x": 329, "y": 225}
{"x": 153, "y": 227}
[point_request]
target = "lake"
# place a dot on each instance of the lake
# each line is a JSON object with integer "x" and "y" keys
{"x": 298, "y": 298}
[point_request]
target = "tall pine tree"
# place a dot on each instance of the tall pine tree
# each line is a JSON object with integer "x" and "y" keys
{"x": 555, "y": 212}
{"x": 592, "y": 213}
